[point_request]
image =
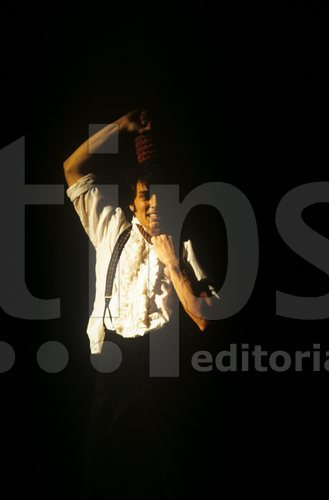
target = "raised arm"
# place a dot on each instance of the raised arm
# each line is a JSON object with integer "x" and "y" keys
{"x": 73, "y": 166}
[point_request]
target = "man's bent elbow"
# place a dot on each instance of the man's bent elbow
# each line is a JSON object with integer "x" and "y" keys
{"x": 72, "y": 172}
{"x": 67, "y": 166}
{"x": 202, "y": 324}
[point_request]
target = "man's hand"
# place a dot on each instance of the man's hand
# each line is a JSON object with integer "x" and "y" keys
{"x": 136, "y": 121}
{"x": 165, "y": 250}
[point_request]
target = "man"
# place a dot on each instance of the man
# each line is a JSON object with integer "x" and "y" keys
{"x": 135, "y": 296}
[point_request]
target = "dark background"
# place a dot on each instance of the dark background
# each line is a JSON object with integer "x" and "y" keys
{"x": 243, "y": 98}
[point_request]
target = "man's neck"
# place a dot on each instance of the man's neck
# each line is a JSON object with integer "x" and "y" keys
{"x": 142, "y": 230}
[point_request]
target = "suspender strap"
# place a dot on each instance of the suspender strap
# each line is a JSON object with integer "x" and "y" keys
{"x": 118, "y": 247}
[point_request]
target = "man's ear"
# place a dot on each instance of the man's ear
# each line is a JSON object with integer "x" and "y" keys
{"x": 132, "y": 208}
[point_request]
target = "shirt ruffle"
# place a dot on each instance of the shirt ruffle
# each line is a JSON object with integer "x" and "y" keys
{"x": 140, "y": 289}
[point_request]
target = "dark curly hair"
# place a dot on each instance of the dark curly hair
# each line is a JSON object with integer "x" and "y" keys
{"x": 148, "y": 173}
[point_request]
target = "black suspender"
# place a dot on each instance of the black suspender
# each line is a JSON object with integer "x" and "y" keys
{"x": 118, "y": 247}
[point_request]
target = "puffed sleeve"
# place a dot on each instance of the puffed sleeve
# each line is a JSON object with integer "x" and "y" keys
{"x": 95, "y": 211}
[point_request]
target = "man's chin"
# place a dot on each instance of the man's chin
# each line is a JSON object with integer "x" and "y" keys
{"x": 155, "y": 230}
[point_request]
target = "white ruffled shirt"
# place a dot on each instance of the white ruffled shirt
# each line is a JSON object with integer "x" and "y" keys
{"x": 142, "y": 295}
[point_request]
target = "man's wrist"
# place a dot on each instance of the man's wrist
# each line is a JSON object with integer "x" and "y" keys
{"x": 173, "y": 267}
{"x": 122, "y": 125}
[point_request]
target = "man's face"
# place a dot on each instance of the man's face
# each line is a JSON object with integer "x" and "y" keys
{"x": 145, "y": 208}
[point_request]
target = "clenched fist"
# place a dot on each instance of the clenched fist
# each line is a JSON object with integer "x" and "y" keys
{"x": 165, "y": 250}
